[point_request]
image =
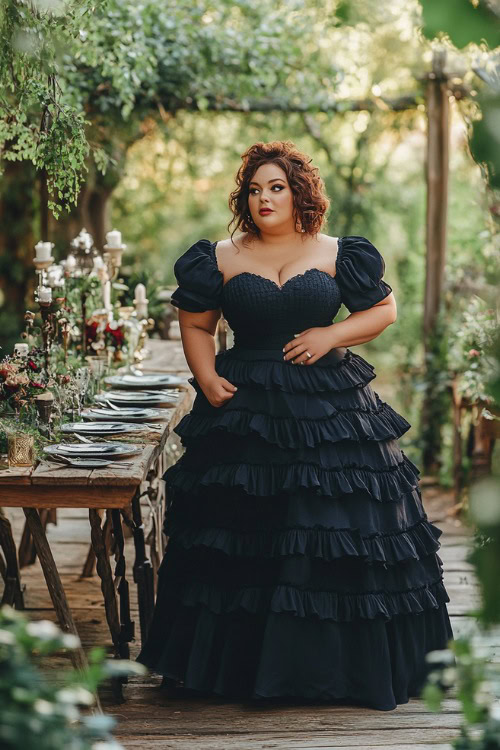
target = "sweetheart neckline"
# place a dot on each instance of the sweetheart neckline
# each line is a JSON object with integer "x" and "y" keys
{"x": 340, "y": 244}
{"x": 275, "y": 283}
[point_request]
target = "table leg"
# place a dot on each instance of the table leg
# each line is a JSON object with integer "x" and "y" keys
{"x": 13, "y": 591}
{"x": 54, "y": 584}
{"x": 106, "y": 576}
{"x": 143, "y": 572}
{"x": 27, "y": 551}
{"x": 155, "y": 538}
{"x": 127, "y": 630}
{"x": 88, "y": 569}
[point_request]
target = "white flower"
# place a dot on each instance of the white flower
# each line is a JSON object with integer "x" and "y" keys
{"x": 69, "y": 640}
{"x": 44, "y": 629}
{"x": 43, "y": 707}
{"x": 443, "y": 655}
{"x": 494, "y": 711}
{"x": 75, "y": 694}
{"x": 7, "y": 638}
{"x": 449, "y": 675}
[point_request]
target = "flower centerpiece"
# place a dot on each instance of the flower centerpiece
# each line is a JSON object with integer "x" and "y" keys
{"x": 22, "y": 379}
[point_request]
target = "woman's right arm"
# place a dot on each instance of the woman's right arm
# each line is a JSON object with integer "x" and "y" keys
{"x": 197, "y": 334}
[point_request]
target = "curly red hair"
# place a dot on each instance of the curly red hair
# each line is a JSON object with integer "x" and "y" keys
{"x": 309, "y": 197}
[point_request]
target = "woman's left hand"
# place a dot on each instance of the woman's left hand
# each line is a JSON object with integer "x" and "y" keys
{"x": 316, "y": 341}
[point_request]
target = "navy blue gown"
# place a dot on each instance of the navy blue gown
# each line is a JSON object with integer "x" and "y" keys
{"x": 300, "y": 560}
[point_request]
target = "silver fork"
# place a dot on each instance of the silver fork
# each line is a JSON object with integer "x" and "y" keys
{"x": 112, "y": 406}
{"x": 83, "y": 439}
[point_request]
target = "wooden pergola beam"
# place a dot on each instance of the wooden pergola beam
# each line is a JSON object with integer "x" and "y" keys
{"x": 436, "y": 169}
{"x": 400, "y": 103}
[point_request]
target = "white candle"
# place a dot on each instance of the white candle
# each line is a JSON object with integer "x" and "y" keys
{"x": 43, "y": 251}
{"x": 141, "y": 309}
{"x": 106, "y": 292}
{"x": 140, "y": 301}
{"x": 44, "y": 294}
{"x": 140, "y": 293}
{"x": 114, "y": 239}
{"x": 70, "y": 264}
{"x": 21, "y": 350}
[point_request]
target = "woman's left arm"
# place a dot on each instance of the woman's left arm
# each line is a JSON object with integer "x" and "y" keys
{"x": 357, "y": 328}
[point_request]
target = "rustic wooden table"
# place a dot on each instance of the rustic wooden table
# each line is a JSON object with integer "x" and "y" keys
{"x": 113, "y": 497}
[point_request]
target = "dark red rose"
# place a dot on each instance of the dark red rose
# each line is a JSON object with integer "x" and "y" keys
{"x": 91, "y": 330}
{"x": 117, "y": 334}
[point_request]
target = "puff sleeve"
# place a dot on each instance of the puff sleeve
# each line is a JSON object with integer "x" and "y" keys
{"x": 200, "y": 281}
{"x": 359, "y": 272}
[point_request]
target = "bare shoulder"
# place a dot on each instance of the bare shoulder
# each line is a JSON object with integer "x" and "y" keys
{"x": 327, "y": 242}
{"x": 230, "y": 245}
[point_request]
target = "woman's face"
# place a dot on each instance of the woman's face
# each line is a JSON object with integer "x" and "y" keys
{"x": 269, "y": 189}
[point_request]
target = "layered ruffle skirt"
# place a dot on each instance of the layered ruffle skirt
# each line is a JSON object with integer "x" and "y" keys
{"x": 300, "y": 560}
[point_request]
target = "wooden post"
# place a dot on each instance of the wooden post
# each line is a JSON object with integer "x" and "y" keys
{"x": 437, "y": 165}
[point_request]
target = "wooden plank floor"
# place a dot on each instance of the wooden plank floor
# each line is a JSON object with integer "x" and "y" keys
{"x": 149, "y": 719}
{"x": 153, "y": 720}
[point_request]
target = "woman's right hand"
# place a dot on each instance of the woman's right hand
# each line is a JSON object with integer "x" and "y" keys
{"x": 218, "y": 390}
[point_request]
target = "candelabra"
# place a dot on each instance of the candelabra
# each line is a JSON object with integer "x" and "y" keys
{"x": 141, "y": 351}
{"x": 66, "y": 335}
{"x": 113, "y": 251}
{"x": 48, "y": 328}
{"x": 41, "y": 268}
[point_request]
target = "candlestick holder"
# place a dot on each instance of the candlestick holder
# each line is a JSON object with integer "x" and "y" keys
{"x": 47, "y": 331}
{"x": 113, "y": 259}
{"x": 41, "y": 267}
{"x": 142, "y": 352}
{"x": 29, "y": 321}
{"x": 65, "y": 328}
{"x": 44, "y": 404}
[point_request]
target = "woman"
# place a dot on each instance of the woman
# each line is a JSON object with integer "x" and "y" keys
{"x": 300, "y": 561}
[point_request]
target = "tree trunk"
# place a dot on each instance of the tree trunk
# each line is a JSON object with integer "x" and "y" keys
{"x": 17, "y": 274}
{"x": 436, "y": 402}
{"x": 93, "y": 207}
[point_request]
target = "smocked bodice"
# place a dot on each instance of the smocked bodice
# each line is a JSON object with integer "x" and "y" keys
{"x": 264, "y": 315}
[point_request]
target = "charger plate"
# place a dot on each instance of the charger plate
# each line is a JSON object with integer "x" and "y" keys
{"x": 143, "y": 381}
{"x": 125, "y": 413}
{"x": 101, "y": 428}
{"x": 108, "y": 449}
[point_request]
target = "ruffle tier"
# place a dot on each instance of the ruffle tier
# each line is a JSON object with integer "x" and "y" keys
{"x": 382, "y": 484}
{"x": 323, "y": 605}
{"x": 328, "y": 544}
{"x": 230, "y": 508}
{"x": 267, "y": 369}
{"x": 287, "y": 432}
{"x": 369, "y": 662}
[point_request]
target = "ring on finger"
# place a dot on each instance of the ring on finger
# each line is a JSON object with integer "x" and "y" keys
{"x": 308, "y": 355}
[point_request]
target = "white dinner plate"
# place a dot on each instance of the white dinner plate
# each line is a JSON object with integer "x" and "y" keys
{"x": 101, "y": 428}
{"x": 143, "y": 381}
{"x": 84, "y": 463}
{"x": 124, "y": 413}
{"x": 109, "y": 449}
{"x": 137, "y": 397}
